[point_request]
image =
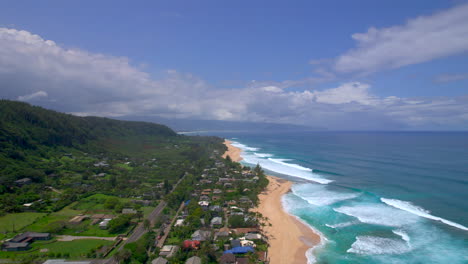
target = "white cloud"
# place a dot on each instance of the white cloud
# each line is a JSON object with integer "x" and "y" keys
{"x": 346, "y": 93}
{"x": 31, "y": 97}
{"x": 272, "y": 89}
{"x": 88, "y": 83}
{"x": 419, "y": 40}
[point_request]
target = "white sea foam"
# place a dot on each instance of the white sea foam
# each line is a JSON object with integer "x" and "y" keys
{"x": 402, "y": 234}
{"x": 263, "y": 155}
{"x": 280, "y": 166}
{"x": 371, "y": 245}
{"x": 243, "y": 147}
{"x": 320, "y": 195}
{"x": 341, "y": 225}
{"x": 378, "y": 214}
{"x": 296, "y": 166}
{"x": 414, "y": 209}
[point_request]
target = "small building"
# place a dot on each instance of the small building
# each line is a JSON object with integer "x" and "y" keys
{"x": 227, "y": 258}
{"x": 13, "y": 246}
{"x": 201, "y": 235}
{"x": 168, "y": 250}
{"x": 179, "y": 222}
{"x": 251, "y": 236}
{"x": 159, "y": 260}
{"x": 216, "y": 221}
{"x": 30, "y": 237}
{"x": 191, "y": 244}
{"x": 240, "y": 250}
{"x": 217, "y": 191}
{"x": 23, "y": 181}
{"x": 204, "y": 204}
{"x": 235, "y": 243}
{"x": 193, "y": 260}
{"x": 104, "y": 223}
{"x": 129, "y": 211}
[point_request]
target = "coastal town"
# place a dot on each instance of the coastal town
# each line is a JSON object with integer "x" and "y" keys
{"x": 206, "y": 218}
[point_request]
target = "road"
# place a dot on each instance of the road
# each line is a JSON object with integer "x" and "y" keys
{"x": 140, "y": 230}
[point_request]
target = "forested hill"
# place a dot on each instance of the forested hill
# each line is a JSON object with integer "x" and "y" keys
{"x": 27, "y": 126}
{"x": 42, "y": 149}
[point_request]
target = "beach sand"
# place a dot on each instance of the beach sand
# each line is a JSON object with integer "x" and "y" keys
{"x": 232, "y": 152}
{"x": 289, "y": 238}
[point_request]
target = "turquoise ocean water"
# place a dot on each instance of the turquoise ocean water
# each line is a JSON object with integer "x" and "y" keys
{"x": 376, "y": 197}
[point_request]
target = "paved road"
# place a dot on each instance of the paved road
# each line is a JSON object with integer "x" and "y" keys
{"x": 140, "y": 230}
{"x": 71, "y": 238}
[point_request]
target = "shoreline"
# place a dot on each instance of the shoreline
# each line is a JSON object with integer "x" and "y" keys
{"x": 289, "y": 238}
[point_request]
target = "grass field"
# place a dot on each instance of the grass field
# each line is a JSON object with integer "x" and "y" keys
{"x": 17, "y": 221}
{"x": 72, "y": 249}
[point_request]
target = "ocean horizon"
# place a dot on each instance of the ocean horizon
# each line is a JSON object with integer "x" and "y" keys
{"x": 375, "y": 197}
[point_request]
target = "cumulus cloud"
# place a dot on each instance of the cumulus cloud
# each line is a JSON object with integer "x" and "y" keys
{"x": 86, "y": 83}
{"x": 420, "y": 40}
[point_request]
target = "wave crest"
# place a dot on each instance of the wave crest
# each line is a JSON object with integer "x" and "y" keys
{"x": 419, "y": 211}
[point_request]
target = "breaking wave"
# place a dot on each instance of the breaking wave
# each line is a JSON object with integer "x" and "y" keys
{"x": 371, "y": 245}
{"x": 378, "y": 214}
{"x": 278, "y": 165}
{"x": 319, "y": 195}
{"x": 414, "y": 209}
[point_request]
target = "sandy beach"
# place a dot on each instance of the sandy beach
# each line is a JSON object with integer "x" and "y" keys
{"x": 289, "y": 239}
{"x": 232, "y": 152}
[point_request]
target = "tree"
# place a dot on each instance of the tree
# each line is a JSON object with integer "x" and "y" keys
{"x": 147, "y": 224}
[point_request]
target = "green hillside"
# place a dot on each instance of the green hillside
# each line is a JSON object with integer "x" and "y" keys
{"x": 80, "y": 156}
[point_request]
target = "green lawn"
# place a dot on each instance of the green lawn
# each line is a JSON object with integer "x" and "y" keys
{"x": 18, "y": 221}
{"x": 75, "y": 249}
{"x": 48, "y": 222}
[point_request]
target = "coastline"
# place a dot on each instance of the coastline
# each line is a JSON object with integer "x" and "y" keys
{"x": 289, "y": 238}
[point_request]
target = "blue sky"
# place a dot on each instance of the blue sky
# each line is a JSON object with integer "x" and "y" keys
{"x": 343, "y": 64}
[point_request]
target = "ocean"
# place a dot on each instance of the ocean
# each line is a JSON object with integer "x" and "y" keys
{"x": 375, "y": 197}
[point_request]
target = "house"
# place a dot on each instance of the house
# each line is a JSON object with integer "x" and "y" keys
{"x": 245, "y": 200}
{"x": 251, "y": 236}
{"x": 159, "y": 260}
{"x": 217, "y": 191}
{"x": 242, "y": 261}
{"x": 191, "y": 244}
{"x": 12, "y": 246}
{"x": 179, "y": 222}
{"x": 240, "y": 250}
{"x": 221, "y": 234}
{"x": 204, "y": 198}
{"x": 216, "y": 221}
{"x": 23, "y": 181}
{"x": 78, "y": 219}
{"x": 30, "y": 236}
{"x": 227, "y": 258}
{"x": 168, "y": 250}
{"x": 201, "y": 235}
{"x": 204, "y": 204}
{"x": 193, "y": 260}
{"x": 235, "y": 243}
{"x": 101, "y": 164}
{"x": 216, "y": 208}
{"x": 129, "y": 211}
{"x": 104, "y": 223}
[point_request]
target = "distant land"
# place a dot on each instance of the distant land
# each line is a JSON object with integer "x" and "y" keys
{"x": 189, "y": 125}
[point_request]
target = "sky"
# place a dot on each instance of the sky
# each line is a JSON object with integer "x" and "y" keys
{"x": 342, "y": 65}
